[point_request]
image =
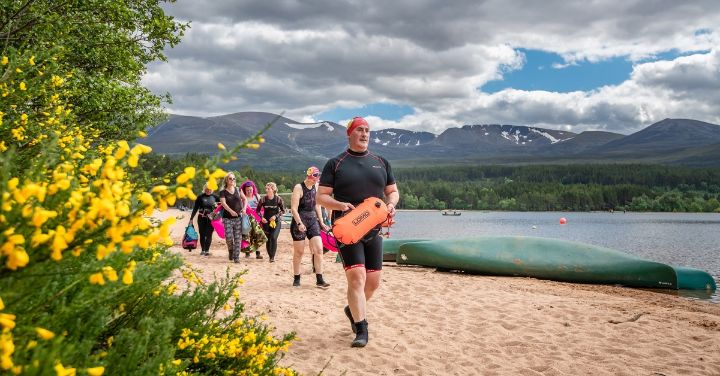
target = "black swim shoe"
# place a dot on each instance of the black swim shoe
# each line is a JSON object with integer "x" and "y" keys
{"x": 349, "y": 316}
{"x": 361, "y": 338}
{"x": 296, "y": 281}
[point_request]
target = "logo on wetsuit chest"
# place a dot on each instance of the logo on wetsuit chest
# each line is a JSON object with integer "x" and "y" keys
{"x": 377, "y": 166}
{"x": 363, "y": 216}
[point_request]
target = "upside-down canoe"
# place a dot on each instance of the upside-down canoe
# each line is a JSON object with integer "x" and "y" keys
{"x": 552, "y": 259}
{"x": 391, "y": 247}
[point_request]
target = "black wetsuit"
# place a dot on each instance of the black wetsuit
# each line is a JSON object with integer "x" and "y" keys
{"x": 308, "y": 216}
{"x": 354, "y": 177}
{"x": 204, "y": 205}
{"x": 271, "y": 208}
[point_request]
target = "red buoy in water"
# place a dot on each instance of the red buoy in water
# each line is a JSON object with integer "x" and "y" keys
{"x": 563, "y": 221}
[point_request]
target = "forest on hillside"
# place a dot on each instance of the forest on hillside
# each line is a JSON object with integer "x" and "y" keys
{"x": 591, "y": 187}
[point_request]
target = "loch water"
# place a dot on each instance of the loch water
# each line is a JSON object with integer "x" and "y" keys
{"x": 679, "y": 239}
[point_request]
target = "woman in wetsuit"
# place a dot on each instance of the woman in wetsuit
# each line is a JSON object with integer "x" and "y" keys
{"x": 272, "y": 207}
{"x": 204, "y": 205}
{"x": 306, "y": 223}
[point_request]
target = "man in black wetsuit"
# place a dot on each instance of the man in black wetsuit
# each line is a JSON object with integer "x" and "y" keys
{"x": 346, "y": 181}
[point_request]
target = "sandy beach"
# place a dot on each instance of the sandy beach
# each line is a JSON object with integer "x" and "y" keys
{"x": 424, "y": 322}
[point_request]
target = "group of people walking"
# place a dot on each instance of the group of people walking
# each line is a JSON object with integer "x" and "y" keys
{"x": 345, "y": 181}
{"x": 248, "y": 220}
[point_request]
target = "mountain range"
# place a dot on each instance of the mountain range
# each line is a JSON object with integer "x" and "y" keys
{"x": 292, "y": 145}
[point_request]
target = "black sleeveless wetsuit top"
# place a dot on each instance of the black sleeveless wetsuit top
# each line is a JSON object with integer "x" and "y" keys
{"x": 307, "y": 201}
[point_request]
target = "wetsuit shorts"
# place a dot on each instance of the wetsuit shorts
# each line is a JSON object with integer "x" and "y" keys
{"x": 367, "y": 253}
{"x": 312, "y": 226}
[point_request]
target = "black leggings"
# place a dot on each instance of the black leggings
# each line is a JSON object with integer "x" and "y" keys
{"x": 206, "y": 231}
{"x": 272, "y": 235}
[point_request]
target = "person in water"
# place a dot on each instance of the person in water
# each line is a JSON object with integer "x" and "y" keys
{"x": 204, "y": 206}
{"x": 306, "y": 223}
{"x": 272, "y": 207}
{"x": 233, "y": 201}
{"x": 346, "y": 181}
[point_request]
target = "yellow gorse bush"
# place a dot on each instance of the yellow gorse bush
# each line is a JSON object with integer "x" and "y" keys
{"x": 73, "y": 212}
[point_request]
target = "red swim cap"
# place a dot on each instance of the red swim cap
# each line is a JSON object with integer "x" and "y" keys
{"x": 356, "y": 122}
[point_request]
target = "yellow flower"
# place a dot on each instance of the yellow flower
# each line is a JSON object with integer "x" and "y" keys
{"x": 4, "y": 60}
{"x": 57, "y": 81}
{"x": 188, "y": 174}
{"x": 110, "y": 273}
{"x": 31, "y": 60}
{"x": 96, "y": 371}
{"x": 22, "y": 86}
{"x": 177, "y": 362}
{"x": 7, "y": 320}
{"x": 59, "y": 243}
{"x": 41, "y": 216}
{"x": 44, "y": 333}
{"x": 133, "y": 161}
{"x": 123, "y": 148}
{"x": 127, "y": 277}
{"x": 254, "y": 146}
{"x": 221, "y": 146}
{"x": 62, "y": 371}
{"x": 97, "y": 279}
{"x": 2, "y": 305}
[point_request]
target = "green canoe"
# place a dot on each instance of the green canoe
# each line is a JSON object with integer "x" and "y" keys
{"x": 552, "y": 259}
{"x": 391, "y": 247}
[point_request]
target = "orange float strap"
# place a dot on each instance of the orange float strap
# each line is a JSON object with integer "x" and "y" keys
{"x": 351, "y": 227}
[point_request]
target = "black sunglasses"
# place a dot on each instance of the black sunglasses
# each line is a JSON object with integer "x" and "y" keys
{"x": 315, "y": 174}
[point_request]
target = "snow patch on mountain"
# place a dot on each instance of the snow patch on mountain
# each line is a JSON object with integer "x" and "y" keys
{"x": 327, "y": 125}
{"x": 552, "y": 139}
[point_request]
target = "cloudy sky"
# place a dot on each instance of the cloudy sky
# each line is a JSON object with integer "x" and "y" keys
{"x": 428, "y": 65}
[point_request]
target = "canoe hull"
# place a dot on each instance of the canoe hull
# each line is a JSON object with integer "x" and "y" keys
{"x": 545, "y": 259}
{"x": 392, "y": 246}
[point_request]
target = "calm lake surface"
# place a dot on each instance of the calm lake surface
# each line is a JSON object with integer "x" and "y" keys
{"x": 681, "y": 239}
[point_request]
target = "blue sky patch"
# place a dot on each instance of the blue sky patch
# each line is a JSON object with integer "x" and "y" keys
{"x": 385, "y": 111}
{"x": 539, "y": 72}
{"x": 672, "y": 55}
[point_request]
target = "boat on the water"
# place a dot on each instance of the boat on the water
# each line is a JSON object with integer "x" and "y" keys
{"x": 451, "y": 212}
{"x": 553, "y": 259}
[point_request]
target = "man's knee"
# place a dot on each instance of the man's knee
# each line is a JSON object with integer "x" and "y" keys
{"x": 372, "y": 284}
{"x": 356, "y": 278}
{"x": 372, "y": 281}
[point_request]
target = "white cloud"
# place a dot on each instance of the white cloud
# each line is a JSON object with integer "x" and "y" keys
{"x": 303, "y": 59}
